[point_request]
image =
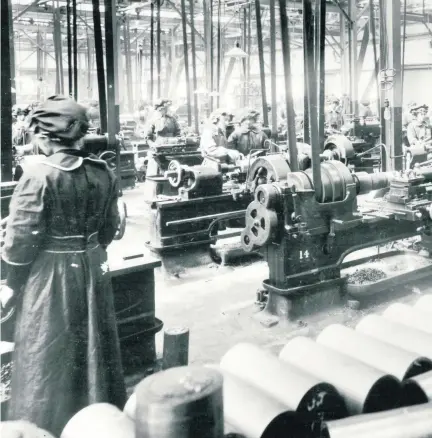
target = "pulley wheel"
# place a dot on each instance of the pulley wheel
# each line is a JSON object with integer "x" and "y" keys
{"x": 261, "y": 224}
{"x": 110, "y": 158}
{"x": 175, "y": 166}
{"x": 267, "y": 195}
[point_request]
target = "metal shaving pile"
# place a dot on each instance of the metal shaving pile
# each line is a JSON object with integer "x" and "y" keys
{"x": 366, "y": 275}
{"x": 5, "y": 382}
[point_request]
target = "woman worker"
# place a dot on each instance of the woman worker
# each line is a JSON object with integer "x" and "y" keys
{"x": 163, "y": 125}
{"x": 213, "y": 141}
{"x": 63, "y": 214}
{"x": 248, "y": 136}
{"x": 419, "y": 130}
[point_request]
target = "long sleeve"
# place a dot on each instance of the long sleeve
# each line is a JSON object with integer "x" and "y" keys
{"x": 25, "y": 228}
{"x": 412, "y": 134}
{"x": 233, "y": 141}
{"x": 108, "y": 228}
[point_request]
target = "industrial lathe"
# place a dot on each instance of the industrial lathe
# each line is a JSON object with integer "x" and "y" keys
{"x": 307, "y": 222}
{"x": 190, "y": 204}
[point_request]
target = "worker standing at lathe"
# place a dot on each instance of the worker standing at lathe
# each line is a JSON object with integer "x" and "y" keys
{"x": 248, "y": 136}
{"x": 419, "y": 130}
{"x": 63, "y": 214}
{"x": 213, "y": 141}
{"x": 334, "y": 116}
{"x": 163, "y": 126}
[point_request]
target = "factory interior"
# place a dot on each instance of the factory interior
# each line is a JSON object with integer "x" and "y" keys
{"x": 216, "y": 219}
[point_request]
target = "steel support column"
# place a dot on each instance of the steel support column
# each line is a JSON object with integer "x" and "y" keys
{"x": 207, "y": 49}
{"x": 89, "y": 68}
{"x": 308, "y": 52}
{"x": 274, "y": 124}
{"x": 219, "y": 54}
{"x": 194, "y": 69}
{"x": 75, "y": 48}
{"x": 186, "y": 60}
{"x": 6, "y": 92}
{"x": 39, "y": 63}
{"x": 261, "y": 62}
{"x": 352, "y": 47}
{"x": 312, "y": 96}
{"x": 110, "y": 45}
{"x": 69, "y": 47}
{"x": 100, "y": 69}
{"x": 286, "y": 54}
{"x": 58, "y": 52}
{"x": 152, "y": 52}
{"x": 128, "y": 62}
{"x": 391, "y": 39}
{"x": 158, "y": 46}
{"x": 320, "y": 29}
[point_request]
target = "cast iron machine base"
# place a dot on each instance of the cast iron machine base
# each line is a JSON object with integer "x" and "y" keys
{"x": 305, "y": 239}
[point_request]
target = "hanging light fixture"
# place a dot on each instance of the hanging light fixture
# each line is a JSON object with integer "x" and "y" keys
{"x": 237, "y": 52}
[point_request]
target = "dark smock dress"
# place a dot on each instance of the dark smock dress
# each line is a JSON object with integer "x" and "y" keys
{"x": 63, "y": 213}
{"x": 245, "y": 140}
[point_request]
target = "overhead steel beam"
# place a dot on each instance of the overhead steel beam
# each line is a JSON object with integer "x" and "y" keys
{"x": 187, "y": 21}
{"x": 26, "y": 8}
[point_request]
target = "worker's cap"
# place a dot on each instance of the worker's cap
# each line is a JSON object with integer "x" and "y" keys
{"x": 162, "y": 103}
{"x": 365, "y": 102}
{"x": 335, "y": 100}
{"x": 418, "y": 108}
{"x": 93, "y": 103}
{"x": 61, "y": 119}
{"x": 249, "y": 115}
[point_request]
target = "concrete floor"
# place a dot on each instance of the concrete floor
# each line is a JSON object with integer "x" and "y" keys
{"x": 217, "y": 303}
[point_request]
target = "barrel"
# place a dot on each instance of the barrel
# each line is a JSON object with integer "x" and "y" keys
{"x": 182, "y": 402}
{"x": 407, "y": 315}
{"x": 396, "y": 334}
{"x": 256, "y": 414}
{"x": 422, "y": 386}
{"x": 424, "y": 304}
{"x": 373, "y": 352}
{"x": 364, "y": 388}
{"x": 291, "y": 386}
{"x": 100, "y": 420}
{"x": 130, "y": 407}
{"x": 412, "y": 422}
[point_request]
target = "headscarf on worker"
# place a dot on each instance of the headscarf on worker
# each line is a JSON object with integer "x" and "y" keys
{"x": 63, "y": 214}
{"x": 248, "y": 136}
{"x": 163, "y": 124}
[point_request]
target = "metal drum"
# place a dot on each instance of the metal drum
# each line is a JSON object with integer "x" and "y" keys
{"x": 100, "y": 420}
{"x": 288, "y": 385}
{"x": 364, "y": 388}
{"x": 182, "y": 402}
{"x": 412, "y": 422}
{"x": 407, "y": 315}
{"x": 255, "y": 414}
{"x": 373, "y": 352}
{"x": 396, "y": 334}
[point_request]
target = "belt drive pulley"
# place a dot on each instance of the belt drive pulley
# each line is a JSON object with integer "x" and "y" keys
{"x": 261, "y": 226}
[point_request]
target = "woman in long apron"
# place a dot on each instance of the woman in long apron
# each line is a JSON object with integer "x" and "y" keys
{"x": 63, "y": 214}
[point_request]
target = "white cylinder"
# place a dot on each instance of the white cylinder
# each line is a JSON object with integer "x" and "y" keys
{"x": 407, "y": 315}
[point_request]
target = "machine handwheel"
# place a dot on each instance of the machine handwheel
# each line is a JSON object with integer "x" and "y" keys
{"x": 175, "y": 167}
{"x": 110, "y": 158}
{"x": 261, "y": 225}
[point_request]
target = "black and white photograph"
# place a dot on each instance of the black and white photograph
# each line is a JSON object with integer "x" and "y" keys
{"x": 216, "y": 219}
